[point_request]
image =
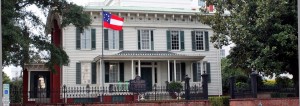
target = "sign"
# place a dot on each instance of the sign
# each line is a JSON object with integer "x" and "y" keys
{"x": 5, "y": 95}
{"x": 137, "y": 85}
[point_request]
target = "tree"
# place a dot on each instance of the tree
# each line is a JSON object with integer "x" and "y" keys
{"x": 229, "y": 71}
{"x": 5, "y": 78}
{"x": 264, "y": 32}
{"x": 23, "y": 35}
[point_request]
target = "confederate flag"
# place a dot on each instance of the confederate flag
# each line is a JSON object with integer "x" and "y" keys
{"x": 112, "y": 21}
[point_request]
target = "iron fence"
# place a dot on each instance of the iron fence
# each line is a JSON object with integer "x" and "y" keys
{"x": 111, "y": 94}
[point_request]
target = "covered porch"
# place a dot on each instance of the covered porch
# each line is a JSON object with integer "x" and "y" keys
{"x": 156, "y": 67}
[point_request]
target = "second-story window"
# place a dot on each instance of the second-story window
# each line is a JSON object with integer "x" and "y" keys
{"x": 86, "y": 39}
{"x": 145, "y": 39}
{"x": 200, "y": 41}
{"x": 113, "y": 40}
{"x": 175, "y": 40}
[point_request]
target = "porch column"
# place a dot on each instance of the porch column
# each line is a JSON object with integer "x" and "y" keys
{"x": 100, "y": 72}
{"x": 132, "y": 69}
{"x": 168, "y": 70}
{"x": 174, "y": 70}
{"x": 140, "y": 68}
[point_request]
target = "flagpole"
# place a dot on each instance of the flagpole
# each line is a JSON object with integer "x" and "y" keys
{"x": 102, "y": 62}
{"x": 102, "y": 66}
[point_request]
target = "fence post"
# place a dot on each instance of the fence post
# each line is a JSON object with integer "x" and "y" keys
{"x": 254, "y": 84}
{"x": 187, "y": 87}
{"x": 204, "y": 85}
{"x": 154, "y": 91}
{"x": 232, "y": 87}
{"x": 64, "y": 93}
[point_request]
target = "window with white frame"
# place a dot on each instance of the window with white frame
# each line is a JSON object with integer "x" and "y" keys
{"x": 145, "y": 40}
{"x": 198, "y": 71}
{"x": 113, "y": 37}
{"x": 175, "y": 42}
{"x": 113, "y": 72}
{"x": 178, "y": 72}
{"x": 85, "y": 38}
{"x": 199, "y": 40}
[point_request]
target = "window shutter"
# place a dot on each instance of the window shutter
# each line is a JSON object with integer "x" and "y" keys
{"x": 208, "y": 72}
{"x": 152, "y": 44}
{"x": 93, "y": 39}
{"x": 121, "y": 42}
{"x": 105, "y": 39}
{"x": 171, "y": 71}
{"x": 193, "y": 41}
{"x": 206, "y": 41}
{"x": 106, "y": 66}
{"x": 94, "y": 74}
{"x": 182, "y": 40}
{"x": 78, "y": 38}
{"x": 168, "y": 40}
{"x": 139, "y": 40}
{"x": 78, "y": 73}
{"x": 182, "y": 71}
{"x": 195, "y": 72}
{"x": 121, "y": 72}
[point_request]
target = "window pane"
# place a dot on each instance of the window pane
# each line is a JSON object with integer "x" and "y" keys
{"x": 86, "y": 39}
{"x": 178, "y": 72}
{"x": 198, "y": 71}
{"x": 113, "y": 72}
{"x": 145, "y": 39}
{"x": 113, "y": 37}
{"x": 175, "y": 40}
{"x": 199, "y": 39}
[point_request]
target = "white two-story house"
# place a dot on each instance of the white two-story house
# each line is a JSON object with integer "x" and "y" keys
{"x": 159, "y": 43}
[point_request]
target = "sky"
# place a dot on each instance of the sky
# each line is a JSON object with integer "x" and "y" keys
{"x": 13, "y": 71}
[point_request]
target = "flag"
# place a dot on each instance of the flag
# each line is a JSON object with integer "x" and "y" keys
{"x": 112, "y": 21}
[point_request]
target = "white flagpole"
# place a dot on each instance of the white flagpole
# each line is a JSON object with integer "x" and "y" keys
{"x": 102, "y": 62}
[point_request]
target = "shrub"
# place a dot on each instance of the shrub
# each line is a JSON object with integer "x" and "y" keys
{"x": 175, "y": 87}
{"x": 284, "y": 82}
{"x": 242, "y": 86}
{"x": 219, "y": 101}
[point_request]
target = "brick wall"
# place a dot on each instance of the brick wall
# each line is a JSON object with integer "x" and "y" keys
{"x": 265, "y": 102}
{"x": 144, "y": 103}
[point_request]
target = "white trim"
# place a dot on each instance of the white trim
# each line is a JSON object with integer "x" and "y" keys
{"x": 174, "y": 71}
{"x": 132, "y": 69}
{"x": 100, "y": 72}
{"x": 179, "y": 39}
{"x": 149, "y": 40}
{"x": 204, "y": 43}
{"x": 139, "y": 68}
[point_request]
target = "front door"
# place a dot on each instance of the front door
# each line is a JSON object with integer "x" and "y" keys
{"x": 146, "y": 74}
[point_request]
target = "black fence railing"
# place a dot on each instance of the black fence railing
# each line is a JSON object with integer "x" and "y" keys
{"x": 251, "y": 90}
{"x": 116, "y": 93}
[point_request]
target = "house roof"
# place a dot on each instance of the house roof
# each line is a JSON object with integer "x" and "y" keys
{"x": 142, "y": 9}
{"x": 149, "y": 55}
